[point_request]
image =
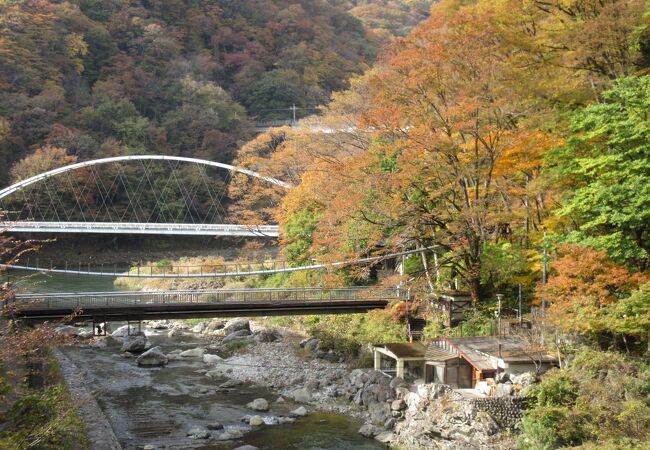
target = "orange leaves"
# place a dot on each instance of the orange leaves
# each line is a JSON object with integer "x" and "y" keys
{"x": 586, "y": 281}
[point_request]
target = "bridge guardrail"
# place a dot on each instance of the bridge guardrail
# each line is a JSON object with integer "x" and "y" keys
{"x": 130, "y": 298}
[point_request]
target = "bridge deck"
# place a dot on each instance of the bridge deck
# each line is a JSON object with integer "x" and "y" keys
{"x": 186, "y": 229}
{"x": 116, "y": 306}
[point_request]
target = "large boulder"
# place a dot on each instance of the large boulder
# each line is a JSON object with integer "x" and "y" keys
{"x": 212, "y": 359}
{"x": 311, "y": 344}
{"x": 122, "y": 331}
{"x": 152, "y": 357}
{"x": 159, "y": 324}
{"x": 379, "y": 413}
{"x": 267, "y": 336}
{"x": 134, "y": 344}
{"x": 237, "y": 325}
{"x": 369, "y": 430}
{"x": 385, "y": 437}
{"x": 301, "y": 395}
{"x": 213, "y": 326}
{"x": 259, "y": 404}
{"x": 237, "y": 336}
{"x": 255, "y": 421}
{"x": 193, "y": 353}
{"x": 199, "y": 327}
{"x": 301, "y": 411}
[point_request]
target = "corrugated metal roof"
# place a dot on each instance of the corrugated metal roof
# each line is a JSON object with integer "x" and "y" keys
{"x": 405, "y": 350}
{"x": 435, "y": 353}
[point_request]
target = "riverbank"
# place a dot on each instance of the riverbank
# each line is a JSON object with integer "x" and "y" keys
{"x": 179, "y": 405}
{"x": 41, "y": 410}
{"x": 222, "y": 383}
{"x": 98, "y": 428}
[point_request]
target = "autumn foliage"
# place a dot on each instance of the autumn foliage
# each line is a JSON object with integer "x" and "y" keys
{"x": 586, "y": 282}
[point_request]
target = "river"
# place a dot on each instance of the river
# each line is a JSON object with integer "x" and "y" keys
{"x": 157, "y": 406}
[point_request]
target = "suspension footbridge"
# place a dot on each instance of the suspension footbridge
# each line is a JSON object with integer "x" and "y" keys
{"x": 143, "y": 305}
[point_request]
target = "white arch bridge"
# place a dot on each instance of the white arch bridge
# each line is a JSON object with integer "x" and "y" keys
{"x": 139, "y": 194}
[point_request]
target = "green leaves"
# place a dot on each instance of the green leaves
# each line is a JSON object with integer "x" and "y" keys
{"x": 607, "y": 167}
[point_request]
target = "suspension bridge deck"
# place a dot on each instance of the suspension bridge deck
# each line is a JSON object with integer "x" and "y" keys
{"x": 143, "y": 305}
{"x": 141, "y": 228}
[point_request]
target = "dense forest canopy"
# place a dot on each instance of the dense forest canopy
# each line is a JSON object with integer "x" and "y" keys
{"x": 183, "y": 77}
{"x": 489, "y": 123}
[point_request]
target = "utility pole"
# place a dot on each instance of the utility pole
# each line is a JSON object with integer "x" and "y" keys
{"x": 293, "y": 110}
{"x": 519, "y": 298}
{"x": 499, "y": 298}
{"x": 544, "y": 280}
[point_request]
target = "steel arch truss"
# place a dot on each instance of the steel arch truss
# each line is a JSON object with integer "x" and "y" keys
{"x": 140, "y": 194}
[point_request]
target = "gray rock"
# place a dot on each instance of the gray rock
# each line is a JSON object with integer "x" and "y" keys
{"x": 198, "y": 433}
{"x": 230, "y": 384}
{"x": 152, "y": 357}
{"x": 385, "y": 437}
{"x": 247, "y": 447}
{"x": 149, "y": 447}
{"x": 299, "y": 412}
{"x": 174, "y": 333}
{"x": 237, "y": 325}
{"x": 301, "y": 395}
{"x": 232, "y": 433}
{"x": 311, "y": 344}
{"x": 255, "y": 421}
{"x": 397, "y": 382}
{"x": 369, "y": 430}
{"x": 259, "y": 404}
{"x": 214, "y": 374}
{"x": 286, "y": 419}
{"x": 398, "y": 405}
{"x": 214, "y": 325}
{"x": 121, "y": 331}
{"x": 215, "y": 426}
{"x": 85, "y": 334}
{"x": 237, "y": 335}
{"x": 193, "y": 353}
{"x": 280, "y": 400}
{"x": 212, "y": 359}
{"x": 267, "y": 336}
{"x": 199, "y": 327}
{"x": 379, "y": 413}
{"x": 134, "y": 344}
{"x": 159, "y": 324}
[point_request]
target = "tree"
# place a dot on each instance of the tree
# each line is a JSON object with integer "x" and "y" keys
{"x": 606, "y": 171}
{"x": 42, "y": 160}
{"x": 586, "y": 287}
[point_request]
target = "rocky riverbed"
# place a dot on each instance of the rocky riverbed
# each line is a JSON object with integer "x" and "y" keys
{"x": 233, "y": 382}
{"x": 176, "y": 405}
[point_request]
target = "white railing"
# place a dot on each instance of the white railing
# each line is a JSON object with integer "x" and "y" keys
{"x": 141, "y": 228}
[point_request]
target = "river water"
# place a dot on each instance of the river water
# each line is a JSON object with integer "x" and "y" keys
{"x": 157, "y": 406}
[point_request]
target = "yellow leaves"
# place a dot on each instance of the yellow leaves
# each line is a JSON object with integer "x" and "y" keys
{"x": 42, "y": 160}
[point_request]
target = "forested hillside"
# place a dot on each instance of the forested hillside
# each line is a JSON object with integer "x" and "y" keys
{"x": 183, "y": 77}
